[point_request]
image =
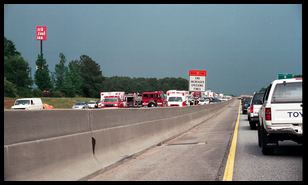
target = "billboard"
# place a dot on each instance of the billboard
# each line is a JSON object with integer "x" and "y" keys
{"x": 41, "y": 32}
{"x": 197, "y": 79}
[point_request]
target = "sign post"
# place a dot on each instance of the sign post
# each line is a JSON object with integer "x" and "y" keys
{"x": 197, "y": 80}
{"x": 41, "y": 34}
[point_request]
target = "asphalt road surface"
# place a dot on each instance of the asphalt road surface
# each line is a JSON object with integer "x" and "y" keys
{"x": 201, "y": 153}
{"x": 286, "y": 164}
{"x": 198, "y": 154}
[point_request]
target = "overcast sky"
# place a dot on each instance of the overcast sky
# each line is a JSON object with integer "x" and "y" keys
{"x": 242, "y": 47}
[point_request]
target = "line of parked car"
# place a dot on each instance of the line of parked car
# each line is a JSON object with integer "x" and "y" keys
{"x": 276, "y": 113}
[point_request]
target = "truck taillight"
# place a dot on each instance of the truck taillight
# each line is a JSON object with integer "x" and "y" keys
{"x": 184, "y": 103}
{"x": 268, "y": 114}
{"x": 251, "y": 109}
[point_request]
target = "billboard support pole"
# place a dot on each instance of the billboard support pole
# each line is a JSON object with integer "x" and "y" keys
{"x": 41, "y": 47}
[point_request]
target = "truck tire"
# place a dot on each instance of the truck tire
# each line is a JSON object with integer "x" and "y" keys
{"x": 265, "y": 140}
{"x": 259, "y": 136}
{"x": 151, "y": 105}
{"x": 252, "y": 125}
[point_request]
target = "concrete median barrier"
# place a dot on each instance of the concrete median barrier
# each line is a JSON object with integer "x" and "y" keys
{"x": 75, "y": 144}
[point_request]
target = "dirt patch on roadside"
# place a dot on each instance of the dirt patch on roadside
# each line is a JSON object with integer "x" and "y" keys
{"x": 8, "y": 103}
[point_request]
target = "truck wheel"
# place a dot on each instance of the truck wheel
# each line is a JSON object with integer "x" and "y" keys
{"x": 252, "y": 125}
{"x": 259, "y": 136}
{"x": 151, "y": 105}
{"x": 265, "y": 140}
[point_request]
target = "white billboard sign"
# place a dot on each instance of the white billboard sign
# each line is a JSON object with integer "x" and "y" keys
{"x": 197, "y": 80}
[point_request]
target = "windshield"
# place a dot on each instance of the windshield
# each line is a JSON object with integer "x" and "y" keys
{"x": 175, "y": 99}
{"x": 257, "y": 99}
{"x": 22, "y": 102}
{"x": 247, "y": 101}
{"x": 288, "y": 93}
{"x": 110, "y": 100}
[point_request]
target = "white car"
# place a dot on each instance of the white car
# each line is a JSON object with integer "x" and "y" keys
{"x": 91, "y": 104}
{"x": 281, "y": 114}
{"x": 80, "y": 105}
{"x": 203, "y": 101}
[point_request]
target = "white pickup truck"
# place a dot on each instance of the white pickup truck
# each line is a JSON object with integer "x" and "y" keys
{"x": 281, "y": 116}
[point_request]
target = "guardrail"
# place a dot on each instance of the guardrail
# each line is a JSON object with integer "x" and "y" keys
{"x": 74, "y": 144}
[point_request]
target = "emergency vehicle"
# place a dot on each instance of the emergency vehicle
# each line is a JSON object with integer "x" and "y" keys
{"x": 153, "y": 99}
{"x": 112, "y": 99}
{"x": 131, "y": 100}
{"x": 177, "y": 98}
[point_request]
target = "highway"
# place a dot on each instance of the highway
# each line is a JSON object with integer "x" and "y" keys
{"x": 199, "y": 143}
{"x": 198, "y": 154}
{"x": 286, "y": 164}
{"x": 201, "y": 154}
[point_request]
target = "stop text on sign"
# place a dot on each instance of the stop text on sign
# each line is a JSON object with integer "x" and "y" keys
{"x": 41, "y": 32}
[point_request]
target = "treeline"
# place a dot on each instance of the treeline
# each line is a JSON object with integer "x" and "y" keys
{"x": 81, "y": 77}
{"x": 128, "y": 84}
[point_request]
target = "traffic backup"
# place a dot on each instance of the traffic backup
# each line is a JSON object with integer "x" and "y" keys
{"x": 280, "y": 116}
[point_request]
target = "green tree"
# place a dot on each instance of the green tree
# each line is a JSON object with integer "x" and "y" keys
{"x": 68, "y": 87}
{"x": 42, "y": 77}
{"x": 92, "y": 78}
{"x": 9, "y": 48}
{"x": 10, "y": 89}
{"x": 74, "y": 75}
{"x": 60, "y": 70}
{"x": 16, "y": 70}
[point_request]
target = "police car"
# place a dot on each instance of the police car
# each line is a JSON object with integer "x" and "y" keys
{"x": 281, "y": 116}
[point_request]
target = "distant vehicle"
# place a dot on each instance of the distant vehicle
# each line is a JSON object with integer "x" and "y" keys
{"x": 153, "y": 99}
{"x": 204, "y": 100}
{"x": 194, "y": 97}
{"x": 112, "y": 101}
{"x": 80, "y": 105}
{"x": 96, "y": 103}
{"x": 248, "y": 113}
{"x": 115, "y": 94}
{"x": 191, "y": 100}
{"x": 139, "y": 100}
{"x": 91, "y": 104}
{"x": 28, "y": 104}
{"x": 281, "y": 114}
{"x": 253, "y": 113}
{"x": 177, "y": 98}
{"x": 131, "y": 100}
{"x": 245, "y": 104}
{"x": 214, "y": 100}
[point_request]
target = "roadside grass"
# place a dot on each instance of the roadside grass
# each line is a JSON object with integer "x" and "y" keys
{"x": 58, "y": 103}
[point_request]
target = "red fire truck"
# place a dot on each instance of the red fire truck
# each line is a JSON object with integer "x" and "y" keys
{"x": 153, "y": 99}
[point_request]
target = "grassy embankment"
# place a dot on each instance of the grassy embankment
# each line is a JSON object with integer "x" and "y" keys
{"x": 58, "y": 103}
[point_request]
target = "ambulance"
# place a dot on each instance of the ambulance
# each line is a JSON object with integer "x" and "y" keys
{"x": 176, "y": 98}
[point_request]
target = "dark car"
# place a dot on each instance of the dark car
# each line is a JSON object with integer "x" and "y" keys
{"x": 245, "y": 104}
